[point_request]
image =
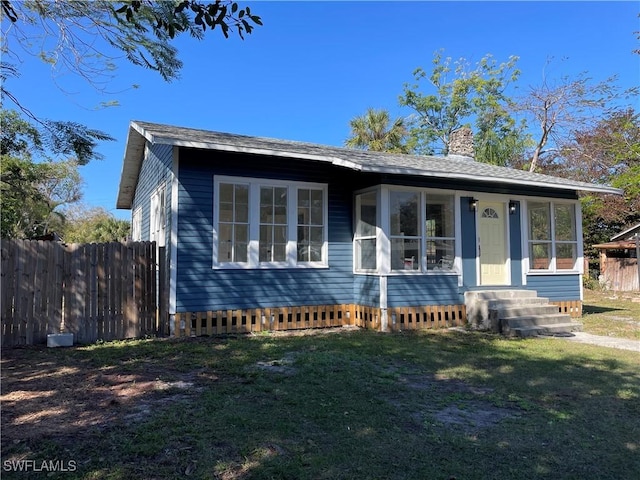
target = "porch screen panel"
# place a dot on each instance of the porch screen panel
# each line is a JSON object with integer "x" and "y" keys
{"x": 405, "y": 232}
{"x": 440, "y": 231}
{"x": 233, "y": 225}
{"x": 310, "y": 224}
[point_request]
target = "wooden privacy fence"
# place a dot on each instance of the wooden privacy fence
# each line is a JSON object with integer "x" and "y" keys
{"x": 105, "y": 291}
{"x": 620, "y": 273}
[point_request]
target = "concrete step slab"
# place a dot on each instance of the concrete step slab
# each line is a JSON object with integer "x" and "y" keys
{"x": 522, "y": 310}
{"x": 506, "y": 302}
{"x": 542, "y": 330}
{"x": 499, "y": 294}
{"x": 534, "y": 320}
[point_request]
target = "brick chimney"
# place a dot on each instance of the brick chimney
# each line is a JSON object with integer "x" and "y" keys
{"x": 461, "y": 142}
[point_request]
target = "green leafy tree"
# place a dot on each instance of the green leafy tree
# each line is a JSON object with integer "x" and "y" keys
{"x": 608, "y": 152}
{"x": 376, "y": 132}
{"x": 93, "y": 225}
{"x": 32, "y": 193}
{"x": 456, "y": 95}
{"x": 88, "y": 37}
{"x": 142, "y": 30}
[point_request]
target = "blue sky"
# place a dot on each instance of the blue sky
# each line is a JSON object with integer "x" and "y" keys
{"x": 313, "y": 66}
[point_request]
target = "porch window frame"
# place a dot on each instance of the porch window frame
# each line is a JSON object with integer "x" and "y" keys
{"x": 253, "y": 255}
{"x": 578, "y": 267}
{"x": 383, "y": 237}
{"x": 359, "y": 237}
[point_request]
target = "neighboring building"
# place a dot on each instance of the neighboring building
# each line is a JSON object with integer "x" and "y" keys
{"x": 619, "y": 268}
{"x": 255, "y": 223}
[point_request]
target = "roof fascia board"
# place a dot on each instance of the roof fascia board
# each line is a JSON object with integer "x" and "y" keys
{"x": 255, "y": 151}
{"x": 464, "y": 176}
{"x": 130, "y": 167}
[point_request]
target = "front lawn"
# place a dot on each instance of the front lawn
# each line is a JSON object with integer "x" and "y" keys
{"x": 347, "y": 404}
{"x": 613, "y": 314}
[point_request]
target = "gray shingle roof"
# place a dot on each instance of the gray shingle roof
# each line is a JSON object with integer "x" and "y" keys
{"x": 451, "y": 166}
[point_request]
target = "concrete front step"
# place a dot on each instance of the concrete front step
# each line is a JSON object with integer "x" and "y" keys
{"x": 556, "y": 329}
{"x": 499, "y": 294}
{"x": 479, "y": 302}
{"x": 534, "y": 320}
{"x": 506, "y": 302}
{"x": 516, "y": 313}
{"x": 521, "y": 311}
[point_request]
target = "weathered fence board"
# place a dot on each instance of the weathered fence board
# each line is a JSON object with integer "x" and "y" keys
{"x": 102, "y": 291}
{"x": 620, "y": 274}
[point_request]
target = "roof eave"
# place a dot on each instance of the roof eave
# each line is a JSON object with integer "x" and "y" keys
{"x": 626, "y": 232}
{"x": 134, "y": 153}
{"x": 462, "y": 176}
{"x": 138, "y": 136}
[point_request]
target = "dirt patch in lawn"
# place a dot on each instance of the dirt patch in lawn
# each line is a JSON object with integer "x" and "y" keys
{"x": 45, "y": 393}
{"x": 450, "y": 403}
{"x": 43, "y": 397}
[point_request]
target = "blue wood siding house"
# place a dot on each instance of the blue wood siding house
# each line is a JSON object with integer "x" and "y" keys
{"x": 260, "y": 230}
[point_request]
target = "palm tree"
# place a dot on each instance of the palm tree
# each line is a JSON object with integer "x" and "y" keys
{"x": 374, "y": 131}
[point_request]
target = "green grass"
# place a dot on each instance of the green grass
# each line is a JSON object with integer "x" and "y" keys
{"x": 349, "y": 405}
{"x": 612, "y": 314}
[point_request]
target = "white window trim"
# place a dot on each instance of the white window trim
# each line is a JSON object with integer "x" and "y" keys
{"x": 526, "y": 260}
{"x": 136, "y": 224}
{"x": 253, "y": 262}
{"x": 383, "y": 238}
{"x": 158, "y": 200}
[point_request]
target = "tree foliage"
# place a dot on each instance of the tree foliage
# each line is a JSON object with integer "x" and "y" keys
{"x": 608, "y": 152}
{"x": 88, "y": 37}
{"x": 376, "y": 132}
{"x": 32, "y": 192}
{"x": 142, "y": 30}
{"x": 93, "y": 225}
{"x": 456, "y": 95}
{"x": 556, "y": 109}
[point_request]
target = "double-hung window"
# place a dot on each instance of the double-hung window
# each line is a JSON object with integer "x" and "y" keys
{"x": 310, "y": 224}
{"x": 553, "y": 242}
{"x": 273, "y": 224}
{"x": 233, "y": 222}
{"x": 261, "y": 223}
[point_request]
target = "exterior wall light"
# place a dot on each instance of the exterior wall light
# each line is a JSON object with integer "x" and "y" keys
{"x": 512, "y": 207}
{"x": 473, "y": 204}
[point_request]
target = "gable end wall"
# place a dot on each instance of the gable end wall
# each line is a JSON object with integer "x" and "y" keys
{"x": 155, "y": 170}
